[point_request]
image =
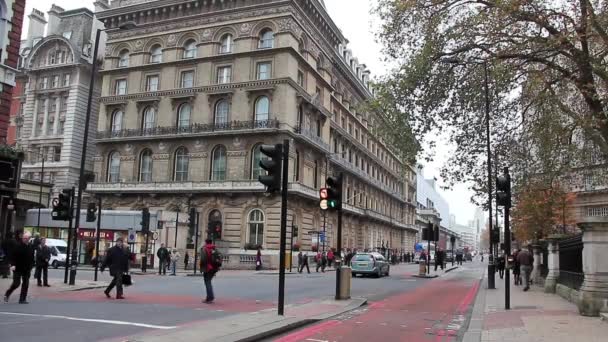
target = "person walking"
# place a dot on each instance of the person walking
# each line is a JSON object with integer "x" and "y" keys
{"x": 526, "y": 261}
{"x": 304, "y": 263}
{"x": 43, "y": 255}
{"x": 174, "y": 260}
{"x": 516, "y": 269}
{"x": 21, "y": 260}
{"x": 162, "y": 255}
{"x": 258, "y": 260}
{"x": 501, "y": 266}
{"x": 186, "y": 260}
{"x": 117, "y": 260}
{"x": 439, "y": 259}
{"x": 299, "y": 260}
{"x": 330, "y": 258}
{"x": 210, "y": 268}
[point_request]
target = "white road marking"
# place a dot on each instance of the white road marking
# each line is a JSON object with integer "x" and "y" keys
{"x": 104, "y": 321}
{"x": 313, "y": 340}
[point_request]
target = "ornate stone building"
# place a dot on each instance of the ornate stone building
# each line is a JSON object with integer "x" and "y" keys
{"x": 189, "y": 95}
{"x": 56, "y": 71}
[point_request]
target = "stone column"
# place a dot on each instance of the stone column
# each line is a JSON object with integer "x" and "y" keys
{"x": 45, "y": 121}
{"x": 35, "y": 117}
{"x": 553, "y": 266}
{"x": 535, "y": 276}
{"x": 57, "y": 110}
{"x": 594, "y": 291}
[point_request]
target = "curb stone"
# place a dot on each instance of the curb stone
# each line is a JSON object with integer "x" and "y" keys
{"x": 475, "y": 323}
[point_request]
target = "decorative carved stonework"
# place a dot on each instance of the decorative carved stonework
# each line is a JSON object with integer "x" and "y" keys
{"x": 97, "y": 158}
{"x": 199, "y": 145}
{"x": 171, "y": 40}
{"x": 153, "y": 102}
{"x": 162, "y": 146}
{"x": 236, "y": 153}
{"x": 139, "y": 45}
{"x": 160, "y": 156}
{"x": 289, "y": 25}
{"x": 245, "y": 29}
{"x": 128, "y": 148}
{"x": 207, "y": 34}
{"x": 198, "y": 155}
{"x": 237, "y": 142}
{"x": 127, "y": 158}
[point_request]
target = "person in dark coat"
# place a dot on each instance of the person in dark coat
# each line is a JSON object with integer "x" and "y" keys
{"x": 163, "y": 255}
{"x": 21, "y": 260}
{"x": 304, "y": 263}
{"x": 186, "y": 260}
{"x": 43, "y": 255}
{"x": 117, "y": 259}
{"x": 501, "y": 266}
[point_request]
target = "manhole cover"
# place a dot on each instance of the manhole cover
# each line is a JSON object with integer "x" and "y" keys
{"x": 523, "y": 307}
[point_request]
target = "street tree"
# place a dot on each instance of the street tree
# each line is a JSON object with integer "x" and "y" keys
{"x": 545, "y": 61}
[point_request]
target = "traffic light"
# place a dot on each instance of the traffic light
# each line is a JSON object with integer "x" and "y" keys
{"x": 62, "y": 206}
{"x": 503, "y": 190}
{"x": 334, "y": 192}
{"x": 436, "y": 233}
{"x": 191, "y": 221}
{"x": 91, "y": 212}
{"x": 272, "y": 165}
{"x": 323, "y": 199}
{"x": 427, "y": 233}
{"x": 145, "y": 220}
{"x": 495, "y": 235}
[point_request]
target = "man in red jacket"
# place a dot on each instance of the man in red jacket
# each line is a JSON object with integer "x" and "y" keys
{"x": 208, "y": 269}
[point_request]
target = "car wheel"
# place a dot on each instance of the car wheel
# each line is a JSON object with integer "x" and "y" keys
{"x": 55, "y": 264}
{"x": 378, "y": 274}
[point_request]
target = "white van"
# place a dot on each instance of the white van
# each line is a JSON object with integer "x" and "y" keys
{"x": 59, "y": 249}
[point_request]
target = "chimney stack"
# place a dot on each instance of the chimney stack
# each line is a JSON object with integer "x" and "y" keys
{"x": 36, "y": 26}
{"x": 101, "y": 5}
{"x": 54, "y": 20}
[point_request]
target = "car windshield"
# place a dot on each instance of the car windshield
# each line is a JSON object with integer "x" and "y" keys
{"x": 61, "y": 249}
{"x": 363, "y": 257}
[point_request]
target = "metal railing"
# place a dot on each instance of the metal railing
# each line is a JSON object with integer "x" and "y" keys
{"x": 312, "y": 137}
{"x": 571, "y": 262}
{"x": 190, "y": 129}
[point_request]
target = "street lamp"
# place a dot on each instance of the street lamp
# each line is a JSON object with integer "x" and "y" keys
{"x": 491, "y": 269}
{"x": 81, "y": 177}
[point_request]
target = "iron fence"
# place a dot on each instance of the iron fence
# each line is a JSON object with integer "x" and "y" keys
{"x": 571, "y": 262}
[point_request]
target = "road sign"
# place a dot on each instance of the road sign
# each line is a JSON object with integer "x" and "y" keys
{"x": 155, "y": 236}
{"x": 131, "y": 236}
{"x": 322, "y": 236}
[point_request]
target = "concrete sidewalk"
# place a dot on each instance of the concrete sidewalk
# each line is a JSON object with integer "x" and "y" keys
{"x": 534, "y": 317}
{"x": 253, "y": 326}
{"x": 56, "y": 286}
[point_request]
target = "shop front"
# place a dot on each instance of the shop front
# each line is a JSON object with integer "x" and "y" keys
{"x": 86, "y": 244}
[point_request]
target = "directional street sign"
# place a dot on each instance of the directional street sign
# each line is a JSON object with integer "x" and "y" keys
{"x": 131, "y": 236}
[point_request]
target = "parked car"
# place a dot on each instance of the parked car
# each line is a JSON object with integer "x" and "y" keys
{"x": 468, "y": 257}
{"x": 370, "y": 264}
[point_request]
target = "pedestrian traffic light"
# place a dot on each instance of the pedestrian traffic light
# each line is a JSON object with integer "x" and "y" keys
{"x": 62, "y": 206}
{"x": 503, "y": 189}
{"x": 272, "y": 165}
{"x": 91, "y": 212}
{"x": 145, "y": 220}
{"x": 334, "y": 192}
{"x": 323, "y": 195}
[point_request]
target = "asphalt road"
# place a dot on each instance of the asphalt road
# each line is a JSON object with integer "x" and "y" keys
{"x": 164, "y": 302}
{"x": 438, "y": 311}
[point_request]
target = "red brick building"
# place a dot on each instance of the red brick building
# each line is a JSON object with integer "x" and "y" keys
{"x": 11, "y": 22}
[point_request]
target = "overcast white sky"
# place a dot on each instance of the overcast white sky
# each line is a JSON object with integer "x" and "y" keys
{"x": 355, "y": 21}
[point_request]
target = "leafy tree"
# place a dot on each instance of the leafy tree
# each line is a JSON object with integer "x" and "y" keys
{"x": 542, "y": 210}
{"x": 545, "y": 61}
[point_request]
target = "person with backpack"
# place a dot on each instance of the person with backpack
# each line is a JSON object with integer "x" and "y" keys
{"x": 211, "y": 262}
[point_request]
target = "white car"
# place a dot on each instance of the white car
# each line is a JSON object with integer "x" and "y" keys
{"x": 58, "y": 249}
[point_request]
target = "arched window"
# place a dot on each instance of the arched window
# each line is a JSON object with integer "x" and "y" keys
{"x": 222, "y": 108}
{"x": 256, "y": 157}
{"x": 226, "y": 44}
{"x": 182, "y": 160}
{"x": 145, "y": 166}
{"x": 114, "y": 167}
{"x": 156, "y": 54}
{"x": 190, "y": 49}
{"x": 218, "y": 164}
{"x": 215, "y": 220}
{"x": 123, "y": 59}
{"x": 148, "y": 119}
{"x": 183, "y": 116}
{"x": 116, "y": 121}
{"x": 266, "y": 39}
{"x": 255, "y": 223}
{"x": 262, "y": 108}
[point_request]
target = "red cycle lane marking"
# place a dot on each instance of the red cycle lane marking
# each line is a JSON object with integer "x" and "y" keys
{"x": 468, "y": 299}
{"x": 307, "y": 332}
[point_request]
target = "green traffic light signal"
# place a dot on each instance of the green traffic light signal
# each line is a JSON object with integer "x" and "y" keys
{"x": 332, "y": 203}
